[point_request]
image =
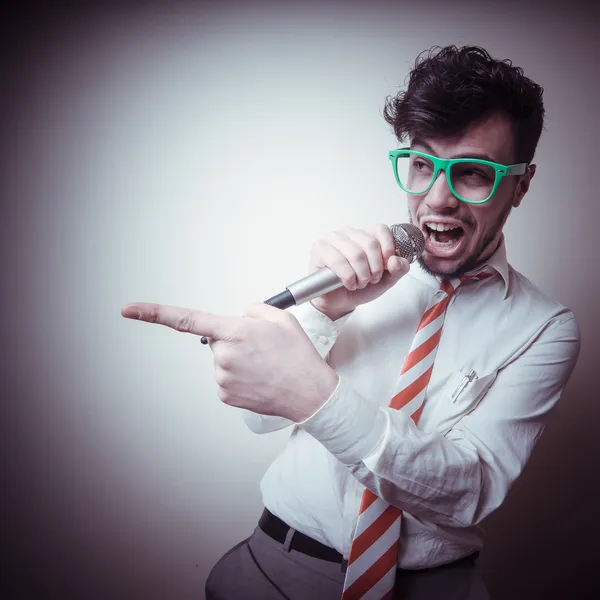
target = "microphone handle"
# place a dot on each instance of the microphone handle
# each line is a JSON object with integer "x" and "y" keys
{"x": 312, "y": 286}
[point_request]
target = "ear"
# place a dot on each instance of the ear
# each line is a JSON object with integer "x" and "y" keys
{"x": 523, "y": 185}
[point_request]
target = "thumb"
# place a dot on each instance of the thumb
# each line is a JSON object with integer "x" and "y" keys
{"x": 396, "y": 268}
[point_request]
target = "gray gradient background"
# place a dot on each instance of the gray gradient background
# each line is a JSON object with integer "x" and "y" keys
{"x": 163, "y": 153}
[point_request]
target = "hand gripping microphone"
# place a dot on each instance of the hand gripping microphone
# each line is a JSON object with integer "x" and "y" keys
{"x": 409, "y": 245}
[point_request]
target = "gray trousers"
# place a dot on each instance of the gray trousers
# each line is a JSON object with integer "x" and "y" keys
{"x": 261, "y": 568}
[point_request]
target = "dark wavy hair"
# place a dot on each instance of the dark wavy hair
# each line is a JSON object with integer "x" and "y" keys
{"x": 451, "y": 88}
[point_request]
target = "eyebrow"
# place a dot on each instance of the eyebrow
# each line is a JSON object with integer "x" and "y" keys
{"x": 479, "y": 155}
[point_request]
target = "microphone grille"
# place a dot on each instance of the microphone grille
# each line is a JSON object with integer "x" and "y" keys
{"x": 409, "y": 239}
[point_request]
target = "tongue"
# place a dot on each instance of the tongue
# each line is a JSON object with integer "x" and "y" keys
{"x": 448, "y": 236}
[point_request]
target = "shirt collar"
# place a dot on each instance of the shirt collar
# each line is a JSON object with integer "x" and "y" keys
{"x": 497, "y": 262}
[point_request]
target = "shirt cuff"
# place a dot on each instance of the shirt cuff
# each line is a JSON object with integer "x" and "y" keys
{"x": 347, "y": 425}
{"x": 321, "y": 330}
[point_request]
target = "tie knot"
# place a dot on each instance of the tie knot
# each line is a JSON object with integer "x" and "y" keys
{"x": 451, "y": 285}
{"x": 468, "y": 277}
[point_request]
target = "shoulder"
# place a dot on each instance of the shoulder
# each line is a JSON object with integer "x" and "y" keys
{"x": 536, "y": 304}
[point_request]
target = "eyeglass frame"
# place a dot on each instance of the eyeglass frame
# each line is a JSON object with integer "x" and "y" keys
{"x": 445, "y": 164}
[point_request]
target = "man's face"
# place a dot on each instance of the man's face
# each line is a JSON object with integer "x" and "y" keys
{"x": 479, "y": 226}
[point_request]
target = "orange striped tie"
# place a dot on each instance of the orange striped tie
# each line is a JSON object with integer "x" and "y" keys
{"x": 373, "y": 557}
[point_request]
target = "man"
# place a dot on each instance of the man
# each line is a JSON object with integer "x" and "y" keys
{"x": 415, "y": 399}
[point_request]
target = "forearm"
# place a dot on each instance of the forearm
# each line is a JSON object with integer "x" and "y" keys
{"x": 422, "y": 473}
{"x": 459, "y": 477}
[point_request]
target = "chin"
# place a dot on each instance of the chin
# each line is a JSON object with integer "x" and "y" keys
{"x": 438, "y": 266}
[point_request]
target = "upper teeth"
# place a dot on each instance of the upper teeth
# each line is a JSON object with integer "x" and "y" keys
{"x": 441, "y": 226}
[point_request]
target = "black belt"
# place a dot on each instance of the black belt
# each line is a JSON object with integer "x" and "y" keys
{"x": 277, "y": 529}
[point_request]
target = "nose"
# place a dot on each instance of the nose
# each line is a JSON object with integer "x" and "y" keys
{"x": 440, "y": 196}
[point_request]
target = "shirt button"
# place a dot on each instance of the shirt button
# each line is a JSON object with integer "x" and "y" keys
{"x": 323, "y": 340}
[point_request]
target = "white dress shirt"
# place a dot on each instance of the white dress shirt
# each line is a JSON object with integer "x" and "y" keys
{"x": 505, "y": 354}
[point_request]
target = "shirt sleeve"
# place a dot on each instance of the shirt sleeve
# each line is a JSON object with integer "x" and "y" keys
{"x": 323, "y": 333}
{"x": 460, "y": 477}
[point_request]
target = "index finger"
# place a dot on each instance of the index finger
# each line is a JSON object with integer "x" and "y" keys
{"x": 386, "y": 239}
{"x": 182, "y": 319}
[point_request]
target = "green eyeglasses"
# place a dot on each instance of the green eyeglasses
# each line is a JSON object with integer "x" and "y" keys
{"x": 471, "y": 180}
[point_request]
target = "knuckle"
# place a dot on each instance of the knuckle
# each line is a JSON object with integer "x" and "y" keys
{"x": 236, "y": 333}
{"x": 382, "y": 229}
{"x": 185, "y": 322}
{"x": 336, "y": 238}
{"x": 340, "y": 266}
{"x": 373, "y": 244}
{"x": 356, "y": 255}
{"x": 330, "y": 244}
{"x": 315, "y": 247}
{"x": 224, "y": 396}
{"x": 222, "y": 377}
{"x": 378, "y": 230}
{"x": 344, "y": 271}
{"x": 323, "y": 241}
{"x": 153, "y": 315}
{"x": 388, "y": 242}
{"x": 241, "y": 331}
{"x": 330, "y": 238}
{"x": 225, "y": 358}
{"x": 350, "y": 283}
{"x": 317, "y": 253}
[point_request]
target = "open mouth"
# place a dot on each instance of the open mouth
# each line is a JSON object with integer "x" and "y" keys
{"x": 443, "y": 238}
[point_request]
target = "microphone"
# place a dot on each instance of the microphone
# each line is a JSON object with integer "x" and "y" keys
{"x": 409, "y": 242}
